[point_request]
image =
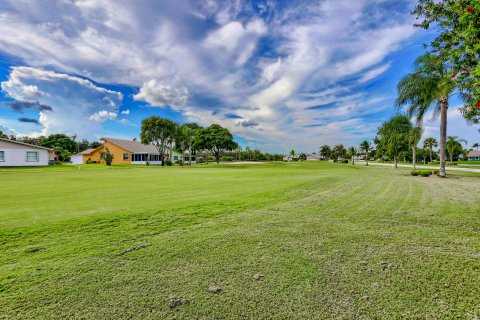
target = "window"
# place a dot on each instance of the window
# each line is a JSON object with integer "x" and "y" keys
{"x": 193, "y": 158}
{"x": 187, "y": 158}
{"x": 125, "y": 156}
{"x": 2, "y": 156}
{"x": 175, "y": 158}
{"x": 32, "y": 156}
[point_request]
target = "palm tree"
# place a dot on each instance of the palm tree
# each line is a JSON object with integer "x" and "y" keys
{"x": 430, "y": 143}
{"x": 414, "y": 137}
{"x": 365, "y": 146}
{"x": 476, "y": 145}
{"x": 325, "y": 151}
{"x": 454, "y": 144}
{"x": 247, "y": 149}
{"x": 429, "y": 85}
{"x": 353, "y": 151}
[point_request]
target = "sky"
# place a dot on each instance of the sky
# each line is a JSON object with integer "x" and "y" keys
{"x": 280, "y": 75}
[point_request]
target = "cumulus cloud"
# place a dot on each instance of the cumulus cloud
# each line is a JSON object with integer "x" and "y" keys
{"x": 248, "y": 123}
{"x": 126, "y": 112}
{"x": 103, "y": 115}
{"x": 68, "y": 104}
{"x": 161, "y": 95}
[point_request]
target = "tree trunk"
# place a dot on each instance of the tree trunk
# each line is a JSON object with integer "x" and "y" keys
{"x": 162, "y": 158}
{"x": 190, "y": 159}
{"x": 183, "y": 157}
{"x": 431, "y": 156}
{"x": 414, "y": 152}
{"x": 395, "y": 160}
{"x": 171, "y": 151}
{"x": 353, "y": 160}
{"x": 366, "y": 158}
{"x": 443, "y": 134}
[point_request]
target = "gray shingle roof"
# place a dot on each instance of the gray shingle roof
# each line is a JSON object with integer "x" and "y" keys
{"x": 25, "y": 144}
{"x": 133, "y": 146}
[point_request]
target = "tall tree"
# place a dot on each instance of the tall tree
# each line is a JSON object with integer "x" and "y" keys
{"x": 192, "y": 147}
{"x": 454, "y": 146}
{"x": 393, "y": 136}
{"x": 366, "y": 146}
{"x": 353, "y": 152}
{"x": 183, "y": 139}
{"x": 339, "y": 151}
{"x": 2, "y": 135}
{"x": 476, "y": 145}
{"x": 216, "y": 139}
{"x": 157, "y": 131}
{"x": 325, "y": 151}
{"x": 414, "y": 137}
{"x": 429, "y": 85}
{"x": 456, "y": 44}
{"x": 430, "y": 143}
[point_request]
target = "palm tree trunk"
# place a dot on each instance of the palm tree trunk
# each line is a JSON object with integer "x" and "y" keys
{"x": 431, "y": 156}
{"x": 414, "y": 152}
{"x": 366, "y": 158}
{"x": 353, "y": 160}
{"x": 443, "y": 134}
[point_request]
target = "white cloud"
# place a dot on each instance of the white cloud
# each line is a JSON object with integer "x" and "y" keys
{"x": 160, "y": 95}
{"x": 103, "y": 115}
{"x": 69, "y": 104}
{"x": 126, "y": 112}
{"x": 374, "y": 73}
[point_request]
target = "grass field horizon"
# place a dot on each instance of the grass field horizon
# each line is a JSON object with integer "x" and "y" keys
{"x": 329, "y": 241}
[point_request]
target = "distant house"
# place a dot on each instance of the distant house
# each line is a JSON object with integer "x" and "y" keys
{"x": 16, "y": 154}
{"x": 289, "y": 158}
{"x": 314, "y": 156}
{"x": 126, "y": 152}
{"x": 473, "y": 155}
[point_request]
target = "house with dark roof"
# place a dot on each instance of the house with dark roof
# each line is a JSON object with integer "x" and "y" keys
{"x": 473, "y": 155}
{"x": 17, "y": 154}
{"x": 127, "y": 152}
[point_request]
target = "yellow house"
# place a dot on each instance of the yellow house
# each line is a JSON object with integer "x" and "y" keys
{"x": 124, "y": 152}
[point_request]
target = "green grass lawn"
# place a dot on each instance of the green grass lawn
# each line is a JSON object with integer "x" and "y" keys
{"x": 331, "y": 241}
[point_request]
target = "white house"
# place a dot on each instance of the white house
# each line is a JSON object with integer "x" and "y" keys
{"x": 15, "y": 154}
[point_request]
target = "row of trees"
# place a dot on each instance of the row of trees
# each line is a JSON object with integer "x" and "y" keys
{"x": 166, "y": 135}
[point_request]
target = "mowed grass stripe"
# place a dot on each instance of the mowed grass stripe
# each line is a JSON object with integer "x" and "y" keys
{"x": 320, "y": 244}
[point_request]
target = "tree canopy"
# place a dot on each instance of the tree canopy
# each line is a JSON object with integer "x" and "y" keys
{"x": 216, "y": 139}
{"x": 393, "y": 136}
{"x": 159, "y": 132}
{"x": 457, "y": 45}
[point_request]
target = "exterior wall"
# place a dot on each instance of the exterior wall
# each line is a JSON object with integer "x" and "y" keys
{"x": 76, "y": 159}
{"x": 114, "y": 149}
{"x": 16, "y": 155}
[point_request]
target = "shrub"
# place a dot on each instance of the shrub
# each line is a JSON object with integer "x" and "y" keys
{"x": 425, "y": 173}
{"x": 414, "y": 173}
{"x": 179, "y": 162}
{"x": 168, "y": 162}
{"x": 435, "y": 171}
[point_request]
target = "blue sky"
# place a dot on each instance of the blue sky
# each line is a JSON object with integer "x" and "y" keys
{"x": 278, "y": 74}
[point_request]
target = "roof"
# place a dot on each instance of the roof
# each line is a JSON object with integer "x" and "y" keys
{"x": 133, "y": 146}
{"x": 25, "y": 144}
{"x": 474, "y": 153}
{"x": 87, "y": 151}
